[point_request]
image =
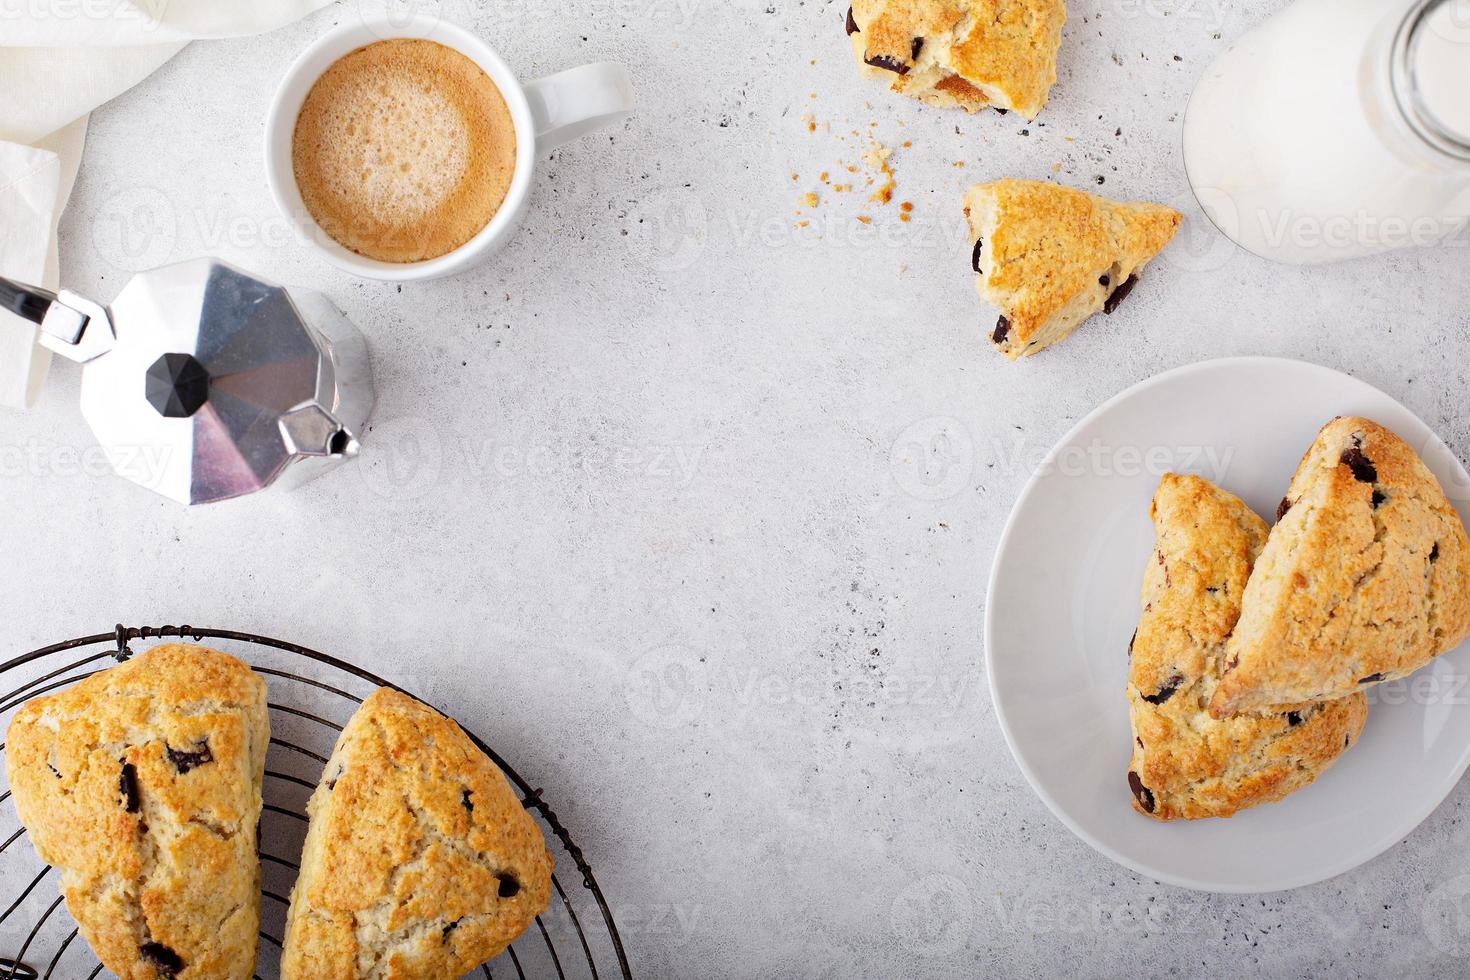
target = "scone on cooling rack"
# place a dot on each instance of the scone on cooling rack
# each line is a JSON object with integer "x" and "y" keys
{"x": 961, "y": 53}
{"x": 1186, "y": 764}
{"x": 1049, "y": 257}
{"x": 419, "y": 862}
{"x": 141, "y": 784}
{"x": 1366, "y": 576}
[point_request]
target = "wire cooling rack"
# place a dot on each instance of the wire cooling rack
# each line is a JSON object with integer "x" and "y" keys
{"x": 311, "y": 697}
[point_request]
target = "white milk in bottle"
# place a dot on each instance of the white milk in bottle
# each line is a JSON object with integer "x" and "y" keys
{"x": 1338, "y": 128}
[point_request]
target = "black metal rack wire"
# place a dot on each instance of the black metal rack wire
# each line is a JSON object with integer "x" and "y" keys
{"x": 310, "y": 700}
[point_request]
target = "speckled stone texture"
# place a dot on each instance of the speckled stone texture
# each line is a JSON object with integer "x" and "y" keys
{"x": 690, "y": 512}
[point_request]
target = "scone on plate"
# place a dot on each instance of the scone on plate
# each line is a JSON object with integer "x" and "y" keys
{"x": 1049, "y": 257}
{"x": 141, "y": 784}
{"x": 420, "y": 863}
{"x": 965, "y": 53}
{"x": 1366, "y": 576}
{"x": 1186, "y": 764}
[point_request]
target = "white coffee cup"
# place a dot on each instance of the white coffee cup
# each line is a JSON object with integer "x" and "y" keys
{"x": 547, "y": 113}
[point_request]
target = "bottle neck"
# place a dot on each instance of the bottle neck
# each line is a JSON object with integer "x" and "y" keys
{"x": 1428, "y": 73}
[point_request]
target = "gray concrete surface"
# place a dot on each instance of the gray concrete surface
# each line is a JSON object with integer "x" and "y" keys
{"x": 638, "y": 504}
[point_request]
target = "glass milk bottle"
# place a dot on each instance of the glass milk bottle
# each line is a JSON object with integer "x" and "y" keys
{"x": 1337, "y": 129}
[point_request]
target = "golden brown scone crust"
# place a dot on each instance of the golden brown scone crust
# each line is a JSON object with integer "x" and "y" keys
{"x": 961, "y": 53}
{"x": 420, "y": 863}
{"x": 142, "y": 785}
{"x": 1186, "y": 764}
{"x": 1049, "y": 257}
{"x": 1366, "y": 576}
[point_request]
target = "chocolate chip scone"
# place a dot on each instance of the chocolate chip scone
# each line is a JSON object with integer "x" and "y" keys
{"x": 961, "y": 53}
{"x": 420, "y": 863}
{"x": 142, "y": 785}
{"x": 1049, "y": 257}
{"x": 1366, "y": 576}
{"x": 1186, "y": 764}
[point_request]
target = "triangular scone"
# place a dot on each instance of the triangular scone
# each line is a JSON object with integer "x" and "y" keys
{"x": 965, "y": 53}
{"x": 420, "y": 863}
{"x": 1186, "y": 764}
{"x": 1049, "y": 257}
{"x": 142, "y": 785}
{"x": 1366, "y": 576}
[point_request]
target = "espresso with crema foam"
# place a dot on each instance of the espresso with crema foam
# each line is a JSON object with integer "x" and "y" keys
{"x": 404, "y": 150}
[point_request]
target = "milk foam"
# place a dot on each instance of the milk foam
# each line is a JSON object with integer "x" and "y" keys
{"x": 403, "y": 150}
{"x": 398, "y": 147}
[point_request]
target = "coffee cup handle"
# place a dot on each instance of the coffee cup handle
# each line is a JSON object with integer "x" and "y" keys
{"x": 574, "y": 102}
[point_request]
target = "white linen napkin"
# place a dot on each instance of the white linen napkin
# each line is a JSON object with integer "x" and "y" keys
{"x": 35, "y": 182}
{"x": 59, "y": 60}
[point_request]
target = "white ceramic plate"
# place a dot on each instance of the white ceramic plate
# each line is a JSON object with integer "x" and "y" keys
{"x": 1064, "y": 601}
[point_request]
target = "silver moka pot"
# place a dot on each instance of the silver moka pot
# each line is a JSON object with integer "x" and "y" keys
{"x": 204, "y": 382}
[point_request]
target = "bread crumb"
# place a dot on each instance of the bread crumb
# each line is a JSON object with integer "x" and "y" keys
{"x": 822, "y": 176}
{"x": 904, "y": 216}
{"x": 907, "y": 205}
{"x": 885, "y": 190}
{"x": 865, "y": 219}
{"x": 876, "y": 157}
{"x": 810, "y": 200}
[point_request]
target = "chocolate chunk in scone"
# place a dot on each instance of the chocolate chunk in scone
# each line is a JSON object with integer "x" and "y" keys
{"x": 1049, "y": 257}
{"x": 1185, "y": 764}
{"x": 969, "y": 54}
{"x": 1366, "y": 576}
